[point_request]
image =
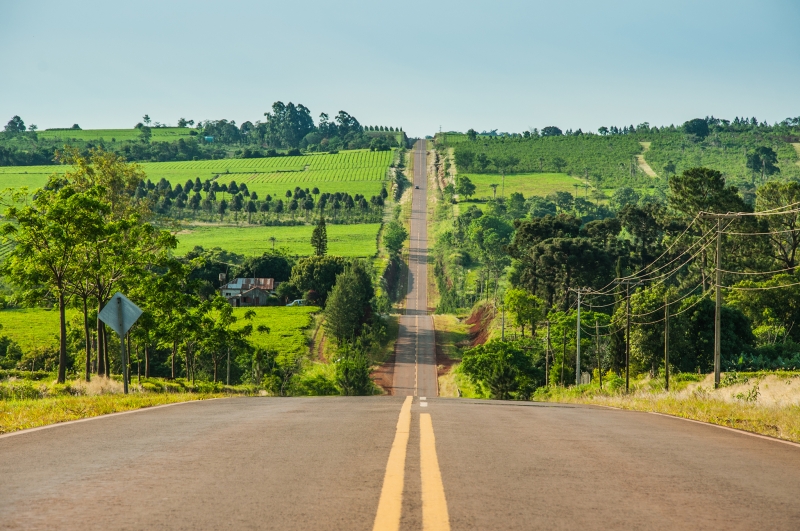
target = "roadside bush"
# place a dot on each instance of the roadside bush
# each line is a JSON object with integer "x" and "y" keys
{"x": 22, "y": 390}
{"x": 353, "y": 371}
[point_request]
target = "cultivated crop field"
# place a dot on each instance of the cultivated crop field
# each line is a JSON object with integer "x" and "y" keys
{"x": 355, "y": 172}
{"x": 343, "y": 240}
{"x": 287, "y": 326}
{"x": 528, "y": 184}
{"x": 159, "y": 134}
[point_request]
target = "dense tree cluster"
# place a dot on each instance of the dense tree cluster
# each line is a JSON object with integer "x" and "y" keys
{"x": 548, "y": 248}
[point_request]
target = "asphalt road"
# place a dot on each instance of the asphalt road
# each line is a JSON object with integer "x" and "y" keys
{"x": 415, "y": 360}
{"x": 345, "y": 462}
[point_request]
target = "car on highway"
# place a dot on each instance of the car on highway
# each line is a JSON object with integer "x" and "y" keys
{"x": 416, "y": 187}
{"x": 297, "y": 302}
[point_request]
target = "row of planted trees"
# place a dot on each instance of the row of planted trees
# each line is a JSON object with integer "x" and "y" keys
{"x": 215, "y": 201}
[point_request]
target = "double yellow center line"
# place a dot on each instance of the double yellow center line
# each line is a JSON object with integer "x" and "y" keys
{"x": 434, "y": 504}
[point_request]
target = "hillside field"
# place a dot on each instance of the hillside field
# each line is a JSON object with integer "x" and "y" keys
{"x": 343, "y": 240}
{"x": 32, "y": 328}
{"x": 159, "y": 134}
{"x": 355, "y": 172}
{"x": 528, "y": 184}
{"x": 287, "y": 326}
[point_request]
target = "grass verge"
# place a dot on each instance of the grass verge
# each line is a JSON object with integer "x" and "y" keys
{"x": 779, "y": 420}
{"x": 23, "y": 414}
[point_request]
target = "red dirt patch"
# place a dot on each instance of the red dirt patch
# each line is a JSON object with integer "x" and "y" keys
{"x": 479, "y": 321}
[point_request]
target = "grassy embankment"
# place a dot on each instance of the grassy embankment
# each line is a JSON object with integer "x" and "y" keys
{"x": 22, "y": 414}
{"x": 767, "y": 403}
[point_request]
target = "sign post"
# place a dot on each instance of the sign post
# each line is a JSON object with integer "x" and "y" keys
{"x": 120, "y": 314}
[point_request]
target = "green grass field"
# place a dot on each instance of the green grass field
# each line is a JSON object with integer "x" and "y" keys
{"x": 343, "y": 240}
{"x": 356, "y": 172}
{"x": 287, "y": 326}
{"x": 35, "y": 328}
{"x": 528, "y": 184}
{"x": 32, "y": 328}
{"x": 159, "y": 134}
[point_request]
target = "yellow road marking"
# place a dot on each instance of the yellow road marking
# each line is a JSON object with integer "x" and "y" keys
{"x": 434, "y": 505}
{"x": 391, "y": 501}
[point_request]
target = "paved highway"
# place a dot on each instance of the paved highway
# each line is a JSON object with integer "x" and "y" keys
{"x": 392, "y": 463}
{"x": 404, "y": 462}
{"x": 415, "y": 361}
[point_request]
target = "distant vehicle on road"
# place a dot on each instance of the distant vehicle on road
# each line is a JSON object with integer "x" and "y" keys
{"x": 297, "y": 302}
{"x": 416, "y": 187}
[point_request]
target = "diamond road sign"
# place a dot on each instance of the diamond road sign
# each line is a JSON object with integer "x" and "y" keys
{"x": 120, "y": 314}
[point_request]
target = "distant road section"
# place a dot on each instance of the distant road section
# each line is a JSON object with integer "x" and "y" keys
{"x": 321, "y": 462}
{"x": 415, "y": 361}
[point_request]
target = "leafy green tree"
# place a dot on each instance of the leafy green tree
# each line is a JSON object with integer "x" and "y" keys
{"x": 503, "y": 367}
{"x": 526, "y": 309}
{"x": 319, "y": 238}
{"x": 784, "y": 236}
{"x": 48, "y": 235}
{"x": 623, "y": 196}
{"x": 763, "y": 160}
{"x": 464, "y": 187}
{"x": 348, "y": 307}
{"x": 317, "y": 273}
{"x": 353, "y": 370}
{"x": 697, "y": 127}
{"x": 269, "y": 265}
{"x": 15, "y": 126}
{"x": 703, "y": 189}
{"x": 394, "y": 235}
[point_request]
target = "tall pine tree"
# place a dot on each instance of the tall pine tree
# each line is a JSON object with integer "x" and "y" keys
{"x": 319, "y": 238}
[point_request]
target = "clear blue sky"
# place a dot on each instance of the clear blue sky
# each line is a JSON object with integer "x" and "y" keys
{"x": 500, "y": 64}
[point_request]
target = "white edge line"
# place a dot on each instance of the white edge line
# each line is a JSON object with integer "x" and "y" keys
{"x": 68, "y": 422}
{"x": 704, "y": 423}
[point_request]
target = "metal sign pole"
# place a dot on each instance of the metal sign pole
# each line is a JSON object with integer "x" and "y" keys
{"x": 122, "y": 345}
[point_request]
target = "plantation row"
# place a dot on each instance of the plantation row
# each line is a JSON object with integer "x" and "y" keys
{"x": 362, "y": 174}
{"x": 599, "y": 158}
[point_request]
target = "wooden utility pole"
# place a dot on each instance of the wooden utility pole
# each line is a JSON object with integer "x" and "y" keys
{"x": 718, "y": 293}
{"x": 628, "y": 284}
{"x": 597, "y": 352}
{"x": 718, "y": 309}
{"x": 546, "y": 353}
{"x": 578, "y": 344}
{"x": 627, "y": 338}
{"x": 563, "y": 355}
{"x": 666, "y": 342}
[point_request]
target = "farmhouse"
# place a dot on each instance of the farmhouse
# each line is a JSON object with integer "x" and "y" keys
{"x": 248, "y": 291}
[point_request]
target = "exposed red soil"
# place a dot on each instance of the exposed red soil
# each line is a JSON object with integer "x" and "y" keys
{"x": 479, "y": 321}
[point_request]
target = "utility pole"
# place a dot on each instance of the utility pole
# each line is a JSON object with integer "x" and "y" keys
{"x": 627, "y": 338}
{"x": 718, "y": 309}
{"x": 563, "y": 355}
{"x": 503, "y": 321}
{"x": 578, "y": 344}
{"x": 597, "y": 348}
{"x": 666, "y": 342}
{"x": 628, "y": 284}
{"x": 718, "y": 293}
{"x": 546, "y": 353}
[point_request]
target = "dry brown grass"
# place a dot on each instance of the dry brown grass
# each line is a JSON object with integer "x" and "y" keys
{"x": 767, "y": 404}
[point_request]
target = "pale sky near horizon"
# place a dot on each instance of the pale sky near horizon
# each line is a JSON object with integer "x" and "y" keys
{"x": 507, "y": 65}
